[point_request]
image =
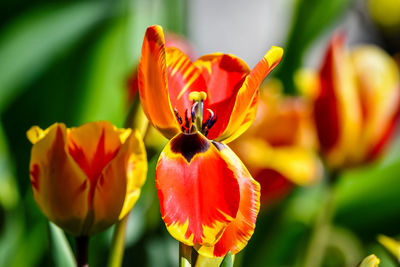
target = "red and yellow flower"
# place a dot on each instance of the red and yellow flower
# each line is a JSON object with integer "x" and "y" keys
{"x": 85, "y": 179}
{"x": 357, "y": 104}
{"x": 208, "y": 199}
{"x": 283, "y": 144}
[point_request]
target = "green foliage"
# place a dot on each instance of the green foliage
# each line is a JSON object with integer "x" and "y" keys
{"x": 31, "y": 42}
{"x": 310, "y": 19}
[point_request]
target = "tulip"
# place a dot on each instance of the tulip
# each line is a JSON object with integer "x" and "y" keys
{"x": 208, "y": 199}
{"x": 282, "y": 141}
{"x": 357, "y": 106}
{"x": 85, "y": 179}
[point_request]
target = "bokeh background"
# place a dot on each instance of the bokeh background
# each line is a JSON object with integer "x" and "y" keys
{"x": 71, "y": 61}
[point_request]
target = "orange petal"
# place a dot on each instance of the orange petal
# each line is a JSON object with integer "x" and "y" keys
{"x": 239, "y": 231}
{"x": 118, "y": 187}
{"x": 183, "y": 78}
{"x": 136, "y": 165}
{"x": 198, "y": 191}
{"x": 60, "y": 187}
{"x": 153, "y": 85}
{"x": 224, "y": 74}
{"x": 92, "y": 146}
{"x": 244, "y": 110}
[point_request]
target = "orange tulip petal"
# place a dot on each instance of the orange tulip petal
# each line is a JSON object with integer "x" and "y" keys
{"x": 118, "y": 187}
{"x": 385, "y": 136}
{"x": 60, "y": 187}
{"x": 136, "y": 171}
{"x": 224, "y": 74}
{"x": 198, "y": 192}
{"x": 183, "y": 78}
{"x": 153, "y": 86}
{"x": 239, "y": 231}
{"x": 244, "y": 110}
{"x": 93, "y": 146}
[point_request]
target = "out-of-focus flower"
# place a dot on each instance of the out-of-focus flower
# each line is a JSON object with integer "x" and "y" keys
{"x": 85, "y": 179}
{"x": 357, "y": 106}
{"x": 370, "y": 261}
{"x": 391, "y": 245}
{"x": 207, "y": 197}
{"x": 279, "y": 147}
{"x": 386, "y": 13}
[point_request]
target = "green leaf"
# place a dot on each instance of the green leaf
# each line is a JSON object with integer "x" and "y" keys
{"x": 371, "y": 193}
{"x": 104, "y": 96}
{"x": 32, "y": 246}
{"x": 31, "y": 42}
{"x": 9, "y": 195}
{"x": 60, "y": 248}
{"x": 311, "y": 18}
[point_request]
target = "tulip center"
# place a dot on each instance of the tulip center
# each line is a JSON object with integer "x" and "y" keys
{"x": 196, "y": 123}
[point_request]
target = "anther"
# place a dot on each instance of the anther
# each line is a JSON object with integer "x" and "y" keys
{"x": 197, "y": 96}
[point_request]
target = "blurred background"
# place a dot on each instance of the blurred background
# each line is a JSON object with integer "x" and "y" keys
{"x": 73, "y": 61}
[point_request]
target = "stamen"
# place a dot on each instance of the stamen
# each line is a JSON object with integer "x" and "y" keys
{"x": 209, "y": 122}
{"x": 194, "y": 106}
{"x": 187, "y": 123}
{"x": 177, "y": 116}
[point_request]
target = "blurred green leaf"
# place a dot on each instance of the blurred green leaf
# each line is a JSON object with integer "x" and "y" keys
{"x": 104, "y": 97}
{"x": 371, "y": 193}
{"x": 11, "y": 235}
{"x": 60, "y": 248}
{"x": 32, "y": 246}
{"x": 310, "y": 19}
{"x": 9, "y": 195}
{"x": 30, "y": 43}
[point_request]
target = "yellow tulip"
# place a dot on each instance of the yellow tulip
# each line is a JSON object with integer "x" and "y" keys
{"x": 85, "y": 179}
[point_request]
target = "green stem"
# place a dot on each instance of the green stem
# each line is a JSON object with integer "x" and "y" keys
{"x": 322, "y": 228}
{"x": 118, "y": 243}
{"x": 185, "y": 255}
{"x": 82, "y": 251}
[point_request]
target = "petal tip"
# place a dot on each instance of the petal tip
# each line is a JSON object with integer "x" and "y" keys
{"x": 155, "y": 33}
{"x": 274, "y": 55}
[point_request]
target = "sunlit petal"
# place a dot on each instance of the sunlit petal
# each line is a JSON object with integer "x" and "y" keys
{"x": 153, "y": 85}
{"x": 198, "y": 192}
{"x": 244, "y": 110}
{"x": 183, "y": 78}
{"x": 63, "y": 200}
{"x": 239, "y": 231}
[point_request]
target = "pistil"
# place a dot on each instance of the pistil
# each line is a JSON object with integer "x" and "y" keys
{"x": 197, "y": 108}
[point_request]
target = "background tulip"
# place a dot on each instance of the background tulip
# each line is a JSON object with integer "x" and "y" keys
{"x": 358, "y": 103}
{"x": 280, "y": 146}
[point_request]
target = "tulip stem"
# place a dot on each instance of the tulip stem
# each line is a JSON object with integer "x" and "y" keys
{"x": 82, "y": 251}
{"x": 320, "y": 234}
{"x": 185, "y": 255}
{"x": 118, "y": 243}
